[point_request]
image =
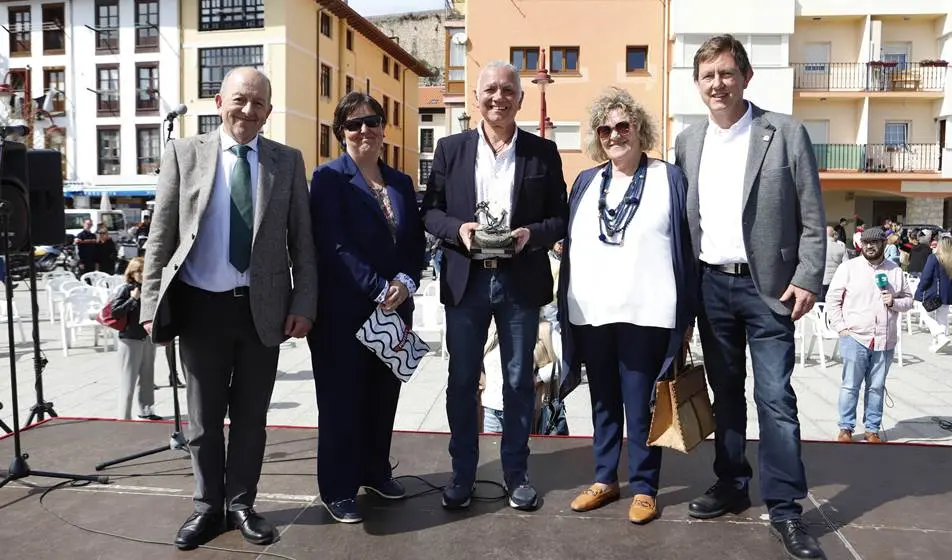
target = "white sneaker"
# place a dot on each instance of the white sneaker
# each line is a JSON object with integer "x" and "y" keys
{"x": 939, "y": 343}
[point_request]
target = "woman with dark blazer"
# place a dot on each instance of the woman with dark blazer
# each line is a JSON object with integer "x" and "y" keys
{"x": 936, "y": 280}
{"x": 627, "y": 294}
{"x": 370, "y": 250}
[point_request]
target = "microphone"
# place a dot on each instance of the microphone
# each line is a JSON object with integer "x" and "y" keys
{"x": 177, "y": 112}
{"x": 882, "y": 282}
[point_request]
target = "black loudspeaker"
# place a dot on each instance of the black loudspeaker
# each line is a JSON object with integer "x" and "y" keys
{"x": 14, "y": 195}
{"x": 47, "y": 215}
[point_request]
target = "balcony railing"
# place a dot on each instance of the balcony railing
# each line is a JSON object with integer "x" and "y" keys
{"x": 878, "y": 158}
{"x": 868, "y": 76}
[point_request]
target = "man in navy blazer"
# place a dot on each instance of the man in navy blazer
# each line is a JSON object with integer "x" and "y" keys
{"x": 520, "y": 173}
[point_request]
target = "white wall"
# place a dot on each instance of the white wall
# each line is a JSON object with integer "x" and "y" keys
{"x": 757, "y": 16}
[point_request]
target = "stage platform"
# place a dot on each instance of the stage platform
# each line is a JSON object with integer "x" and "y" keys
{"x": 869, "y": 502}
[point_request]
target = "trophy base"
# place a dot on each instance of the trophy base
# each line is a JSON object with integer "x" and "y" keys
{"x": 495, "y": 245}
{"x": 497, "y": 252}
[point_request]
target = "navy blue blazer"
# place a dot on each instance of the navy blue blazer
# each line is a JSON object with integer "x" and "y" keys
{"x": 934, "y": 280}
{"x": 356, "y": 254}
{"x": 685, "y": 276}
{"x": 538, "y": 204}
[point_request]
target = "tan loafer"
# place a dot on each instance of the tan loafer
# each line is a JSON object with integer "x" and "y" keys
{"x": 845, "y": 436}
{"x": 595, "y": 496}
{"x": 873, "y": 437}
{"x": 643, "y": 509}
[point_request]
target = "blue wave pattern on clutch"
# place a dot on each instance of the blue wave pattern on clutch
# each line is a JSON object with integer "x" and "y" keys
{"x": 385, "y": 334}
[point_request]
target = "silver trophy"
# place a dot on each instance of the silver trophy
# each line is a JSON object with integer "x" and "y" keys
{"x": 492, "y": 237}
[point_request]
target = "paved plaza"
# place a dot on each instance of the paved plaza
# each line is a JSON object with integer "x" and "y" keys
{"x": 85, "y": 384}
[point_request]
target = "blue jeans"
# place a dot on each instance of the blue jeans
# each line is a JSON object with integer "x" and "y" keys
{"x": 467, "y": 327}
{"x": 732, "y": 315}
{"x": 862, "y": 364}
{"x": 492, "y": 420}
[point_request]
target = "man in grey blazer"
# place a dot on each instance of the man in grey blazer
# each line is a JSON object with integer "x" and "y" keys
{"x": 230, "y": 231}
{"x": 757, "y": 226}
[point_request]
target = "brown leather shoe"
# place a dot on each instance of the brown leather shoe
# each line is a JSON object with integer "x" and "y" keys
{"x": 873, "y": 437}
{"x": 642, "y": 510}
{"x": 595, "y": 496}
{"x": 845, "y": 436}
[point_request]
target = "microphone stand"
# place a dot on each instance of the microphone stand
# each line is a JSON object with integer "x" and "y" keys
{"x": 177, "y": 440}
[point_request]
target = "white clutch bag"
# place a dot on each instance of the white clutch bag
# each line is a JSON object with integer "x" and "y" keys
{"x": 385, "y": 334}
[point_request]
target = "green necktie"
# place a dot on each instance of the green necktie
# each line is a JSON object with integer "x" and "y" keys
{"x": 242, "y": 214}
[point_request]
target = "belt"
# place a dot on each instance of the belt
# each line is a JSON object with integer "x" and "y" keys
{"x": 236, "y": 292}
{"x": 734, "y": 269}
{"x": 491, "y": 264}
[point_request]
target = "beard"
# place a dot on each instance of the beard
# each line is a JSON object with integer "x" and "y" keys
{"x": 873, "y": 256}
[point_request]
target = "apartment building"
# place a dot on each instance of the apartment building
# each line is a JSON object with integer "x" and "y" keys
{"x": 93, "y": 79}
{"x": 869, "y": 79}
{"x": 314, "y": 51}
{"x": 434, "y": 125}
{"x": 583, "y": 49}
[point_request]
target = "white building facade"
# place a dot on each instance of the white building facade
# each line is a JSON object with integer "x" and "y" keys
{"x": 113, "y": 70}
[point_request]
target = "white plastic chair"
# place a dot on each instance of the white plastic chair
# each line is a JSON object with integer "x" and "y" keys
{"x": 79, "y": 311}
{"x": 430, "y": 316}
{"x": 15, "y": 318}
{"x": 822, "y": 332}
{"x": 109, "y": 282}
{"x": 93, "y": 277}
{"x": 56, "y": 293}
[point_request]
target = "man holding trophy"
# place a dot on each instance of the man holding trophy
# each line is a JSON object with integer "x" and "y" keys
{"x": 496, "y": 197}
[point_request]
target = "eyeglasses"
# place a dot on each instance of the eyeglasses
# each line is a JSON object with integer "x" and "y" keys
{"x": 372, "y": 121}
{"x": 622, "y": 128}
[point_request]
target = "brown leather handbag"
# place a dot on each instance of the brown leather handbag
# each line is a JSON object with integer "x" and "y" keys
{"x": 682, "y": 416}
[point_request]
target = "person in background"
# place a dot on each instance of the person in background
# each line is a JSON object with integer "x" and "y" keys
{"x": 891, "y": 252}
{"x": 866, "y": 296}
{"x": 835, "y": 256}
{"x": 936, "y": 280}
{"x": 840, "y": 230}
{"x": 136, "y": 350}
{"x": 106, "y": 251}
{"x": 919, "y": 253}
{"x": 87, "y": 250}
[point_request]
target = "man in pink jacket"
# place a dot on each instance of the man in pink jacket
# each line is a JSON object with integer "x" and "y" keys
{"x": 864, "y": 301}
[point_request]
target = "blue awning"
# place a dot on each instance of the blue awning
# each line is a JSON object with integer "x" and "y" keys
{"x": 144, "y": 191}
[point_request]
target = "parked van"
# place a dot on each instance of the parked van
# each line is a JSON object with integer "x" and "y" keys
{"x": 114, "y": 221}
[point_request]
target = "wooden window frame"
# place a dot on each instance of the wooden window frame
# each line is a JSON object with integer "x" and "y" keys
{"x": 150, "y": 107}
{"x": 52, "y": 32}
{"x": 21, "y": 42}
{"x": 385, "y": 101}
{"x": 396, "y": 113}
{"x": 109, "y": 108}
{"x": 147, "y": 32}
{"x": 107, "y": 38}
{"x": 349, "y": 40}
{"x": 397, "y": 152}
{"x": 148, "y": 168}
{"x": 99, "y": 156}
{"x": 636, "y": 71}
{"x": 205, "y": 120}
{"x": 396, "y": 70}
{"x": 324, "y": 141}
{"x": 565, "y": 51}
{"x": 427, "y": 147}
{"x": 59, "y": 99}
{"x": 386, "y": 64}
{"x": 348, "y": 84}
{"x": 213, "y": 58}
{"x": 525, "y": 51}
{"x": 326, "y": 85}
{"x": 325, "y": 24}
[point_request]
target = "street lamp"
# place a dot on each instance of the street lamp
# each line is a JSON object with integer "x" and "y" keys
{"x": 463, "y": 122}
{"x": 542, "y": 79}
{"x": 549, "y": 131}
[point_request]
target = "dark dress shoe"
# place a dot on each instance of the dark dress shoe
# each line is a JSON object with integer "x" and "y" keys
{"x": 344, "y": 511}
{"x": 389, "y": 490}
{"x": 253, "y": 528}
{"x": 198, "y": 529}
{"x": 720, "y": 499}
{"x": 798, "y": 544}
{"x": 150, "y": 417}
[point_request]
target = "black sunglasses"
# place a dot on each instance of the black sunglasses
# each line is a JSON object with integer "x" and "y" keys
{"x": 622, "y": 128}
{"x": 372, "y": 121}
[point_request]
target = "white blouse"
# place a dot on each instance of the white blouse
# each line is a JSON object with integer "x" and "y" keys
{"x": 629, "y": 283}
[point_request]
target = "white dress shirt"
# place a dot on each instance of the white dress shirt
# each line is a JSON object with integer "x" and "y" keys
{"x": 495, "y": 175}
{"x": 630, "y": 283}
{"x": 721, "y": 191}
{"x": 208, "y": 266}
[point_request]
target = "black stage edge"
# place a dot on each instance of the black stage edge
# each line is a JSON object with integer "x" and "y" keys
{"x": 877, "y": 502}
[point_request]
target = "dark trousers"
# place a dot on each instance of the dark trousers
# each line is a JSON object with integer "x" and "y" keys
{"x": 623, "y": 362}
{"x": 732, "y": 313}
{"x": 487, "y": 297}
{"x": 356, "y": 401}
{"x": 229, "y": 371}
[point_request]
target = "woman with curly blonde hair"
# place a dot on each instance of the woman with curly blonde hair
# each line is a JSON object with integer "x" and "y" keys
{"x": 626, "y": 295}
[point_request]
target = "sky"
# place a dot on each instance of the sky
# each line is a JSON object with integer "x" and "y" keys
{"x": 377, "y": 7}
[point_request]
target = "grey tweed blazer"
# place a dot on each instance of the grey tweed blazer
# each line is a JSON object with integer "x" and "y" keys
{"x": 784, "y": 222}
